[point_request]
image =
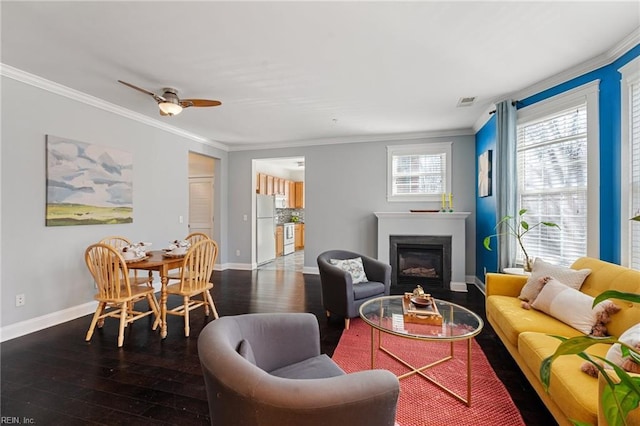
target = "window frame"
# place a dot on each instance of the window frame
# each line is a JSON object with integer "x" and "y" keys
{"x": 630, "y": 74}
{"x": 436, "y": 148}
{"x": 585, "y": 94}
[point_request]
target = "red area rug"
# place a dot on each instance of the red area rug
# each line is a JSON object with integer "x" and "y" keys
{"x": 420, "y": 402}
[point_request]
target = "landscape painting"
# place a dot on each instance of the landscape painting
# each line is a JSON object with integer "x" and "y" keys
{"x": 87, "y": 184}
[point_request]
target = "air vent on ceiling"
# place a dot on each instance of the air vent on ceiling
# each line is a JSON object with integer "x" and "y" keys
{"x": 465, "y": 102}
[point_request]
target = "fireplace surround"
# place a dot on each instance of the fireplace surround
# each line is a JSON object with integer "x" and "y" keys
{"x": 450, "y": 224}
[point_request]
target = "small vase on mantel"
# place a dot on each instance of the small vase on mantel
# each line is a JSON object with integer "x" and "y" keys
{"x": 528, "y": 264}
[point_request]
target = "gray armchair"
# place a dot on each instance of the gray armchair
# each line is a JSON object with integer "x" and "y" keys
{"x": 267, "y": 370}
{"x": 339, "y": 295}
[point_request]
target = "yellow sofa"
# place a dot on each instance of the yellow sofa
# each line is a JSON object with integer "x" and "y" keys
{"x": 525, "y": 333}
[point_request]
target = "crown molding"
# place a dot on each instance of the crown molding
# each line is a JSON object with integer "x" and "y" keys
{"x": 592, "y": 64}
{"x": 588, "y": 66}
{"x": 58, "y": 89}
{"x": 389, "y": 137}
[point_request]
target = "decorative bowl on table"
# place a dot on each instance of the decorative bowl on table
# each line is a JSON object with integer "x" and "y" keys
{"x": 422, "y": 301}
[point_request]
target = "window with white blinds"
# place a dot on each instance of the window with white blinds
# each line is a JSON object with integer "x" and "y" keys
{"x": 552, "y": 184}
{"x": 634, "y": 168}
{"x": 418, "y": 172}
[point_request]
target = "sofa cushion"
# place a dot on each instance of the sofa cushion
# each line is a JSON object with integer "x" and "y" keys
{"x": 571, "y": 306}
{"x": 567, "y": 276}
{"x": 318, "y": 367}
{"x": 353, "y": 267}
{"x": 572, "y": 390}
{"x": 508, "y": 315}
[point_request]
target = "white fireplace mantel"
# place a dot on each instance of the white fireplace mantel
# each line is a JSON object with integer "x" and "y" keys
{"x": 434, "y": 224}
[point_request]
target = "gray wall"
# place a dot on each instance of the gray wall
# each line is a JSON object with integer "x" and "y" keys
{"x": 344, "y": 185}
{"x": 46, "y": 263}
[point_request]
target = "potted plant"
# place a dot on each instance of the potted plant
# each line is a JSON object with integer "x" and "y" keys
{"x": 622, "y": 394}
{"x": 518, "y": 227}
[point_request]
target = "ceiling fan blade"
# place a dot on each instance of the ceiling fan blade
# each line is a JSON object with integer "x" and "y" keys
{"x": 186, "y": 103}
{"x": 156, "y": 97}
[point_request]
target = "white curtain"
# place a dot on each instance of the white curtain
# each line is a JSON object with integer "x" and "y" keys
{"x": 506, "y": 177}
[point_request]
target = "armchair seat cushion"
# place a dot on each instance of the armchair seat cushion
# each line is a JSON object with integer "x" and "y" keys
{"x": 318, "y": 367}
{"x": 368, "y": 289}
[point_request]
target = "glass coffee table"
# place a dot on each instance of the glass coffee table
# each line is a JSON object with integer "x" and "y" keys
{"x": 386, "y": 316}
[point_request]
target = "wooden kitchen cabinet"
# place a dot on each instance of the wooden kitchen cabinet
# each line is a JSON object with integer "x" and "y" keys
{"x": 287, "y": 192}
{"x": 292, "y": 194}
{"x": 270, "y": 185}
{"x": 299, "y": 191}
{"x": 261, "y": 182}
{"x": 279, "y": 240}
{"x": 299, "y": 236}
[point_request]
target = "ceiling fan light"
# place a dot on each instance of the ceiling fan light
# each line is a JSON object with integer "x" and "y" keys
{"x": 170, "y": 108}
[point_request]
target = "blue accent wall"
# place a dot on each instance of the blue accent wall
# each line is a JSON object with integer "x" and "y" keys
{"x": 486, "y": 216}
{"x": 609, "y": 111}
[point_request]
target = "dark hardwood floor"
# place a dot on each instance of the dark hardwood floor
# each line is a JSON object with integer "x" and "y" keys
{"x": 54, "y": 377}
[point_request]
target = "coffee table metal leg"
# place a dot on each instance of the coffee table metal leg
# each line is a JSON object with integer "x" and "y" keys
{"x": 373, "y": 348}
{"x": 468, "y": 372}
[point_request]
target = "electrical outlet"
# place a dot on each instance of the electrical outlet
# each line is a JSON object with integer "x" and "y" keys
{"x": 237, "y": 252}
{"x": 20, "y": 300}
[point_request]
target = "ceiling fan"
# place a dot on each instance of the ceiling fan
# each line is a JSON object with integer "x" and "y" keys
{"x": 170, "y": 104}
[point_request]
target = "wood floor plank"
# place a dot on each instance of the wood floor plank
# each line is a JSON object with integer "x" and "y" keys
{"x": 54, "y": 377}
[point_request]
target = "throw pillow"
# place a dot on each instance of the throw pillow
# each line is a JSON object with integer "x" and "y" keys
{"x": 631, "y": 337}
{"x": 574, "y": 307}
{"x": 353, "y": 267}
{"x": 570, "y": 277}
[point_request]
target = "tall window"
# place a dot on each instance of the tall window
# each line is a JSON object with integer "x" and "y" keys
{"x": 631, "y": 165}
{"x": 553, "y": 181}
{"x": 418, "y": 172}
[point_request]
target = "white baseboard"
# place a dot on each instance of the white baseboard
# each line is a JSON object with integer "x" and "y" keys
{"x": 458, "y": 287}
{"x": 238, "y": 266}
{"x": 313, "y": 270}
{"x": 36, "y": 324}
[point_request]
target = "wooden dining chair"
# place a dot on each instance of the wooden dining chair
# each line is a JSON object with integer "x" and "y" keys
{"x": 195, "y": 279}
{"x": 193, "y": 238}
{"x": 116, "y": 295}
{"x": 118, "y": 243}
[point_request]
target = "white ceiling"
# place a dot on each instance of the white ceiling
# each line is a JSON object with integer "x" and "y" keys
{"x": 305, "y": 72}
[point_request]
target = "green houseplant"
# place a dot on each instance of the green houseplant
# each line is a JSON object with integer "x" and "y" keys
{"x": 620, "y": 396}
{"x": 518, "y": 227}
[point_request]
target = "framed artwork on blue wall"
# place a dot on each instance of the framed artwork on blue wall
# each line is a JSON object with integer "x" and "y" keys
{"x": 484, "y": 174}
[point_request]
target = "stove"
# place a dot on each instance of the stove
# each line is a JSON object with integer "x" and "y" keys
{"x": 289, "y": 238}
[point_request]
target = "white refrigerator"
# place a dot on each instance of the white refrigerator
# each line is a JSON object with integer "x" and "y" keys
{"x": 266, "y": 228}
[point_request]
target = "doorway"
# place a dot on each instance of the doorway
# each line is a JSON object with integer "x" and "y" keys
{"x": 279, "y": 182}
{"x": 201, "y": 193}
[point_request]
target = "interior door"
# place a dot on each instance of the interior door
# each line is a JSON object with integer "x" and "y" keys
{"x": 201, "y": 205}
